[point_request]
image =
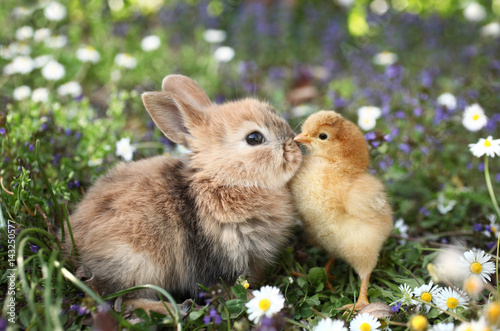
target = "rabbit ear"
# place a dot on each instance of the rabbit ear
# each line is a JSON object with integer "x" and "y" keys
{"x": 186, "y": 89}
{"x": 173, "y": 116}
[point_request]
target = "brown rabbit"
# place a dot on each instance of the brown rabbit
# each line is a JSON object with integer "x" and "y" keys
{"x": 219, "y": 212}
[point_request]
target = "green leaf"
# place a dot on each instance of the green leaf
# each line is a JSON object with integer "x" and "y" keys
{"x": 317, "y": 276}
{"x": 195, "y": 315}
{"x": 141, "y": 313}
{"x": 313, "y": 301}
{"x": 235, "y": 307}
{"x": 301, "y": 281}
{"x": 240, "y": 292}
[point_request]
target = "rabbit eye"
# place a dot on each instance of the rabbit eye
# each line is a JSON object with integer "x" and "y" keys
{"x": 255, "y": 138}
{"x": 323, "y": 136}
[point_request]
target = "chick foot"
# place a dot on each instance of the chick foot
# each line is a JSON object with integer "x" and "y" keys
{"x": 362, "y": 301}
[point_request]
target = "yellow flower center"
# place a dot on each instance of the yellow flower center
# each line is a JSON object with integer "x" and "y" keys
{"x": 493, "y": 229}
{"x": 475, "y": 117}
{"x": 452, "y": 303}
{"x": 487, "y": 143}
{"x": 246, "y": 284}
{"x": 419, "y": 323}
{"x": 365, "y": 327}
{"x": 264, "y": 304}
{"x": 427, "y": 297}
{"x": 493, "y": 312}
{"x": 476, "y": 268}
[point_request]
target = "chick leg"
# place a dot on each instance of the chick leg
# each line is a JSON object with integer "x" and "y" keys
{"x": 328, "y": 266}
{"x": 362, "y": 297}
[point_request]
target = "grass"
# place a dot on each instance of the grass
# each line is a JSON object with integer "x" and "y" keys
{"x": 53, "y": 150}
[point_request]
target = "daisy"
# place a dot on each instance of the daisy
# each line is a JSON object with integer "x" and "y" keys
{"x": 22, "y": 11}
{"x": 493, "y": 227}
{"x": 449, "y": 299}
{"x": 473, "y": 286}
{"x": 70, "y": 88}
{"x": 447, "y": 265}
{"x": 491, "y": 30}
{"x": 42, "y": 60}
{"x": 366, "y": 123}
{"x": 369, "y": 111}
{"x": 23, "y": 64}
{"x": 444, "y": 205}
{"x": 214, "y": 36}
{"x": 379, "y": 7}
{"x": 125, "y": 149}
{"x": 488, "y": 146}
{"x": 53, "y": 70}
{"x": 88, "y": 54}
{"x": 93, "y": 162}
{"x": 427, "y": 293}
{"x": 42, "y": 34}
{"x": 407, "y": 294}
{"x": 20, "y": 48}
{"x": 419, "y": 323}
{"x": 55, "y": 11}
{"x": 125, "y": 60}
{"x": 327, "y": 324}
{"x": 24, "y": 33}
{"x": 474, "y": 118}
{"x": 448, "y": 100}
{"x": 492, "y": 312}
{"x": 40, "y": 94}
{"x": 21, "y": 92}
{"x": 364, "y": 322}
{"x": 56, "y": 42}
{"x": 150, "y": 43}
{"x": 385, "y": 58}
{"x": 477, "y": 264}
{"x": 443, "y": 327}
{"x": 474, "y": 12}
{"x": 266, "y": 302}
{"x": 224, "y": 54}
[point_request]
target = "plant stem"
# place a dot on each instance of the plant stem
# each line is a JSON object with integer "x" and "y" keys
{"x": 497, "y": 210}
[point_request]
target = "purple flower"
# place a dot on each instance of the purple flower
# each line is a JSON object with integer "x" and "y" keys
{"x": 70, "y": 185}
{"x": 80, "y": 295}
{"x": 82, "y": 310}
{"x": 400, "y": 114}
{"x": 34, "y": 248}
{"x": 480, "y": 167}
{"x": 417, "y": 111}
{"x": 217, "y": 319}
{"x": 388, "y": 137}
{"x": 212, "y": 312}
{"x": 2, "y": 131}
{"x": 405, "y": 148}
{"x": 74, "y": 307}
{"x": 3, "y": 324}
{"x": 375, "y": 143}
{"x": 487, "y": 228}
{"x": 68, "y": 132}
{"x": 490, "y": 245}
{"x": 424, "y": 211}
{"x": 396, "y": 307}
{"x": 478, "y": 227}
{"x": 370, "y": 135}
{"x": 497, "y": 177}
{"x": 77, "y": 183}
{"x": 206, "y": 319}
{"x": 44, "y": 126}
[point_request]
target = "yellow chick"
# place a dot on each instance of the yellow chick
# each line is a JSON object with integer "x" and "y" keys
{"x": 344, "y": 209}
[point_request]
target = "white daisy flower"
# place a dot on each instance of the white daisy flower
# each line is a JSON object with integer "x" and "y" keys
{"x": 9, "y": 69}
{"x": 21, "y": 92}
{"x": 53, "y": 70}
{"x": 364, "y": 322}
{"x": 40, "y": 94}
{"x": 488, "y": 146}
{"x": 23, "y": 64}
{"x": 125, "y": 60}
{"x": 224, "y": 54}
{"x": 447, "y": 265}
{"x": 124, "y": 149}
{"x": 478, "y": 264}
{"x": 88, "y": 54}
{"x": 443, "y": 327}
{"x": 150, "y": 43}
{"x": 214, "y": 36}
{"x": 20, "y": 48}
{"x": 266, "y": 302}
{"x": 379, "y": 7}
{"x": 492, "y": 312}
{"x": 369, "y": 111}
{"x": 407, "y": 294}
{"x": 345, "y": 3}
{"x": 72, "y": 88}
{"x": 42, "y": 60}
{"x": 427, "y": 293}
{"x": 473, "y": 286}
{"x": 42, "y": 35}
{"x": 19, "y": 12}
{"x": 491, "y": 30}
{"x": 93, "y": 162}
{"x": 449, "y": 299}
{"x": 327, "y": 324}
{"x": 474, "y": 12}
{"x": 367, "y": 123}
{"x": 6, "y": 52}
{"x": 56, "y": 42}
{"x": 448, "y": 100}
{"x": 493, "y": 227}
{"x": 55, "y": 11}
{"x": 385, "y": 58}
{"x": 402, "y": 228}
{"x": 24, "y": 33}
{"x": 474, "y": 118}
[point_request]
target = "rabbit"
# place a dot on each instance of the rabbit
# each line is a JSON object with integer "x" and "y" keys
{"x": 222, "y": 211}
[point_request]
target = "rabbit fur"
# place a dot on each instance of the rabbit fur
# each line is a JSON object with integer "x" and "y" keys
{"x": 217, "y": 213}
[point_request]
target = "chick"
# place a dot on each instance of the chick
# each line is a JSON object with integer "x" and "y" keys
{"x": 343, "y": 208}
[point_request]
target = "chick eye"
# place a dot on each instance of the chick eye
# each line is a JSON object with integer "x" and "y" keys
{"x": 323, "y": 136}
{"x": 255, "y": 138}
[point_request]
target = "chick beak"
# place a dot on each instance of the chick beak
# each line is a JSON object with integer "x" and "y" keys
{"x": 303, "y": 138}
